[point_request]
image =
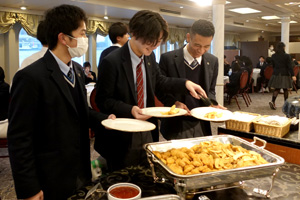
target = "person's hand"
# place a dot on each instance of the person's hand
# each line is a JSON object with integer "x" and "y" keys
{"x": 195, "y": 89}
{"x": 294, "y": 78}
{"x": 137, "y": 113}
{"x": 219, "y": 106}
{"x": 112, "y": 116}
{"x": 38, "y": 196}
{"x": 178, "y": 104}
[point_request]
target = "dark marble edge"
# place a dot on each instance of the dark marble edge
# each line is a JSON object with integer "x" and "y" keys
{"x": 274, "y": 140}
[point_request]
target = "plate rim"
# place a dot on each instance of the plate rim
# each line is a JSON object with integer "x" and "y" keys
{"x": 164, "y": 116}
{"x": 130, "y": 119}
{"x": 213, "y": 120}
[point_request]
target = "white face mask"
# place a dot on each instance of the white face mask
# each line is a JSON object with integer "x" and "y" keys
{"x": 80, "y": 50}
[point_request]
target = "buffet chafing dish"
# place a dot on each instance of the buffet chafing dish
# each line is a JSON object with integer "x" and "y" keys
{"x": 197, "y": 183}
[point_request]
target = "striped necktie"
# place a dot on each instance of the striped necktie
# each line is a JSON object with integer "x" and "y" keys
{"x": 70, "y": 75}
{"x": 140, "y": 85}
{"x": 194, "y": 64}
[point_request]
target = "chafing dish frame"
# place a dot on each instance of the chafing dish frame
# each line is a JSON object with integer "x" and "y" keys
{"x": 217, "y": 180}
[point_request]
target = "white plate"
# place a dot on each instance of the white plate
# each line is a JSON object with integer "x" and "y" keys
{"x": 156, "y": 111}
{"x": 201, "y": 111}
{"x": 128, "y": 125}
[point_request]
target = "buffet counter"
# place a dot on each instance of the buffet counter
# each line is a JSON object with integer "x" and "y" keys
{"x": 286, "y": 185}
{"x": 287, "y": 147}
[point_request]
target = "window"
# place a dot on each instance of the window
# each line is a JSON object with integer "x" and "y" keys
{"x": 102, "y": 43}
{"x": 27, "y": 45}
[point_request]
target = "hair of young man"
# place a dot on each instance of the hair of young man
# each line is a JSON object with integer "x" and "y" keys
{"x": 148, "y": 25}
{"x": 62, "y": 19}
{"x": 117, "y": 29}
{"x": 236, "y": 67}
{"x": 41, "y": 34}
{"x": 86, "y": 64}
{"x": 203, "y": 27}
{"x": 262, "y": 57}
{"x": 280, "y": 48}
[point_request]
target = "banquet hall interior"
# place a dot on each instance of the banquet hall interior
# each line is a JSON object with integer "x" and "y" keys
{"x": 243, "y": 27}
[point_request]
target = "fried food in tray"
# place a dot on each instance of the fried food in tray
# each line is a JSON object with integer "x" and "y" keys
{"x": 208, "y": 156}
{"x": 172, "y": 111}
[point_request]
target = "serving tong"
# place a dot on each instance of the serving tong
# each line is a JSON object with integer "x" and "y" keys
{"x": 207, "y": 101}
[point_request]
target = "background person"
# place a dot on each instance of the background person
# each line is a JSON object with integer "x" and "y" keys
{"x": 283, "y": 73}
{"x": 90, "y": 76}
{"x": 118, "y": 35}
{"x": 41, "y": 36}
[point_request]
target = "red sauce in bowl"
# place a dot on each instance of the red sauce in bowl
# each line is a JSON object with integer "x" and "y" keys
{"x": 124, "y": 192}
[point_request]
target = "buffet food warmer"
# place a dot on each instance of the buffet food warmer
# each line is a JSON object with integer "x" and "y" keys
{"x": 216, "y": 180}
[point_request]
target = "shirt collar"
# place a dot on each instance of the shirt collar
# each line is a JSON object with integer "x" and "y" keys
{"x": 63, "y": 67}
{"x": 116, "y": 44}
{"x": 187, "y": 56}
{"x": 135, "y": 60}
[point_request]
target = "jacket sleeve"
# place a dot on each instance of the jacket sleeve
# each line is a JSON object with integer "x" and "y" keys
{"x": 22, "y": 119}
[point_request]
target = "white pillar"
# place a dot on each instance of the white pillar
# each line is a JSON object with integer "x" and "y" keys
{"x": 91, "y": 55}
{"x": 285, "y": 32}
{"x": 218, "y": 45}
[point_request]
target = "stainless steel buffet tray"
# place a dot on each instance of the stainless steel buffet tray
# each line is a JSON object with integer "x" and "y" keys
{"x": 163, "y": 197}
{"x": 184, "y": 183}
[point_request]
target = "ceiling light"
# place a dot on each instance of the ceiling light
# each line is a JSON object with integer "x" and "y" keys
{"x": 291, "y": 3}
{"x": 23, "y": 8}
{"x": 270, "y": 17}
{"x": 247, "y": 20}
{"x": 203, "y": 2}
{"x": 267, "y": 24}
{"x": 227, "y": 2}
{"x": 181, "y": 7}
{"x": 105, "y": 17}
{"x": 262, "y": 31}
{"x": 244, "y": 10}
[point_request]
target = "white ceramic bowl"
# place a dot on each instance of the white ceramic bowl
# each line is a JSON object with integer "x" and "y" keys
{"x": 121, "y": 188}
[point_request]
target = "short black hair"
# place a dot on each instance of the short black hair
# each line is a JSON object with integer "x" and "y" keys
{"x": 2, "y": 74}
{"x": 62, "y": 19}
{"x": 86, "y": 64}
{"x": 41, "y": 33}
{"x": 117, "y": 29}
{"x": 148, "y": 26}
{"x": 280, "y": 47}
{"x": 203, "y": 27}
{"x": 261, "y": 57}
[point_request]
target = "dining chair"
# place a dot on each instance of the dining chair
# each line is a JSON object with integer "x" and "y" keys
{"x": 3, "y": 136}
{"x": 93, "y": 100}
{"x": 243, "y": 85}
{"x": 267, "y": 74}
{"x": 296, "y": 71}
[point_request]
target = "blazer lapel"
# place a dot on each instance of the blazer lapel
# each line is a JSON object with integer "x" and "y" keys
{"x": 149, "y": 67}
{"x": 179, "y": 63}
{"x": 58, "y": 78}
{"x": 207, "y": 69}
{"x": 127, "y": 66}
{"x": 79, "y": 77}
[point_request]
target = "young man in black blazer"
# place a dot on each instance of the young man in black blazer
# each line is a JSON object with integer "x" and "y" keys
{"x": 117, "y": 89}
{"x": 180, "y": 63}
{"x": 118, "y": 35}
{"x": 49, "y": 118}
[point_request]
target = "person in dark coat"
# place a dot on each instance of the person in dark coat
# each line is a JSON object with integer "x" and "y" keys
{"x": 49, "y": 118}
{"x": 118, "y": 35}
{"x": 283, "y": 73}
{"x": 128, "y": 80}
{"x": 233, "y": 86}
{"x": 4, "y": 96}
{"x": 90, "y": 76}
